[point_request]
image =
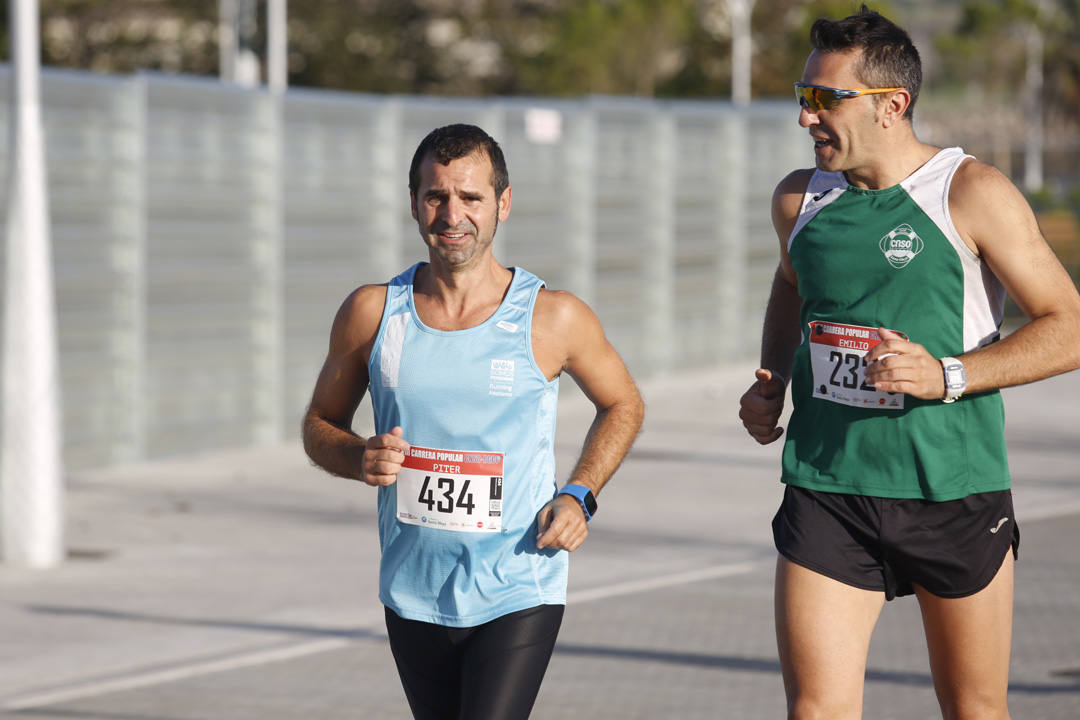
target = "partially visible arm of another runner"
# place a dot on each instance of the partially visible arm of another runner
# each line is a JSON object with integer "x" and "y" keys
{"x": 995, "y": 220}
{"x": 328, "y": 438}
{"x": 568, "y": 336}
{"x": 761, "y": 406}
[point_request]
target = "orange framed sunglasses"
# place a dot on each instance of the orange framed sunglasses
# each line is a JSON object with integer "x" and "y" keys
{"x": 819, "y": 97}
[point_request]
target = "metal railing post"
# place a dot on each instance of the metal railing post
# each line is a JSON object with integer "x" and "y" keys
{"x": 659, "y": 271}
{"x": 31, "y": 470}
{"x": 579, "y": 158}
{"x": 732, "y": 232}
{"x": 129, "y": 260}
{"x": 268, "y": 219}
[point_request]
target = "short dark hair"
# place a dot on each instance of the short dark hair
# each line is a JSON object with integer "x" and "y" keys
{"x": 453, "y": 142}
{"x": 889, "y": 58}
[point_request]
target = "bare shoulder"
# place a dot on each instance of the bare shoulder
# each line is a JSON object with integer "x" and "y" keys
{"x": 976, "y": 171}
{"x": 795, "y": 182}
{"x": 789, "y": 192}
{"x": 786, "y": 203}
{"x": 568, "y": 337}
{"x": 344, "y": 377}
{"x": 358, "y": 318}
{"x": 367, "y": 299}
{"x": 987, "y": 208}
{"x": 560, "y": 311}
{"x": 564, "y": 329}
{"x": 977, "y": 184}
{"x": 787, "y": 200}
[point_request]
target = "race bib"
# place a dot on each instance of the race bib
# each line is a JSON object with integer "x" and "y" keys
{"x": 838, "y": 360}
{"x": 451, "y": 490}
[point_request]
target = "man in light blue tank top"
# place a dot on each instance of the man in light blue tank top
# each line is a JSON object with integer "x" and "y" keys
{"x": 884, "y": 315}
{"x": 462, "y": 357}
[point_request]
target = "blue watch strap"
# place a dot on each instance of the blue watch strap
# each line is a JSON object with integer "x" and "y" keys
{"x": 584, "y": 497}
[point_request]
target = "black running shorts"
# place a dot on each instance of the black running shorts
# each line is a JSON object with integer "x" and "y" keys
{"x": 492, "y": 670}
{"x": 953, "y": 549}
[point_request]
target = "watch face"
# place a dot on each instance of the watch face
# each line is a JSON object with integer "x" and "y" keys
{"x": 955, "y": 376}
{"x": 590, "y": 503}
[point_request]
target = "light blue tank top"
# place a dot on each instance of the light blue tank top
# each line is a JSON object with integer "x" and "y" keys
{"x": 466, "y": 395}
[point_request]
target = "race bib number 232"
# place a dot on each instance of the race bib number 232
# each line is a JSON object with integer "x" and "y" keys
{"x": 451, "y": 490}
{"x": 838, "y": 360}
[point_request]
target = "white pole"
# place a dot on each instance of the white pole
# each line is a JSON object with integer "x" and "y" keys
{"x": 227, "y": 36}
{"x": 1033, "y": 137}
{"x": 31, "y": 471}
{"x": 277, "y": 57}
{"x": 246, "y": 72}
{"x": 741, "y": 50}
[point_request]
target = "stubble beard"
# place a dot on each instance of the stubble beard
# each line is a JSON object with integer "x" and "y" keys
{"x": 462, "y": 257}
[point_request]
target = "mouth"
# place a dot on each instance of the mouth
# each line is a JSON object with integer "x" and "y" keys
{"x": 820, "y": 142}
{"x": 452, "y": 237}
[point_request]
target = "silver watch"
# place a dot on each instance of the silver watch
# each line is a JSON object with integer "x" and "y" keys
{"x": 955, "y": 379}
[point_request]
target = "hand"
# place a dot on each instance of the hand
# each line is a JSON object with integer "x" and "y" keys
{"x": 383, "y": 456}
{"x": 561, "y": 524}
{"x": 898, "y": 365}
{"x": 760, "y": 407}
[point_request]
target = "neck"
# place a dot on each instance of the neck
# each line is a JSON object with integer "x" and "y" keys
{"x": 454, "y": 297}
{"x": 893, "y": 160}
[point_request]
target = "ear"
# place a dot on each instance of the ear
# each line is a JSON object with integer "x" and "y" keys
{"x": 412, "y": 205}
{"x": 894, "y": 107}
{"x": 504, "y": 203}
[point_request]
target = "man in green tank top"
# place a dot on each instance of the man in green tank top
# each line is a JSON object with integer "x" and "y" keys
{"x": 885, "y": 311}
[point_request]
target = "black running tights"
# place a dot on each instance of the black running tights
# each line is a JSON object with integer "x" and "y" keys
{"x": 488, "y": 672}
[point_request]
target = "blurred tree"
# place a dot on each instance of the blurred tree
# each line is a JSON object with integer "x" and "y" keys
{"x": 450, "y": 47}
{"x": 606, "y": 46}
{"x": 986, "y": 49}
{"x": 985, "y": 52}
{"x": 128, "y": 35}
{"x": 670, "y": 48}
{"x": 1061, "y": 91}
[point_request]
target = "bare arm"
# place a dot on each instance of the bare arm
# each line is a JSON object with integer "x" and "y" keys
{"x": 565, "y": 327}
{"x": 989, "y": 210}
{"x": 780, "y": 334}
{"x": 761, "y": 406}
{"x": 995, "y": 220}
{"x": 328, "y": 438}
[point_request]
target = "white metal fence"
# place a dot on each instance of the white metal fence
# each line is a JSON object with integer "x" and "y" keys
{"x": 204, "y": 236}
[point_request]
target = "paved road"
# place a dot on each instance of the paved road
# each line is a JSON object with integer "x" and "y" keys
{"x": 242, "y": 585}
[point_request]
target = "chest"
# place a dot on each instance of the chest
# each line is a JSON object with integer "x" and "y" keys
{"x": 485, "y": 364}
{"x": 872, "y": 248}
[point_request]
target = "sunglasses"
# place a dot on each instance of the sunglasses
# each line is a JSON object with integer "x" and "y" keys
{"x": 819, "y": 97}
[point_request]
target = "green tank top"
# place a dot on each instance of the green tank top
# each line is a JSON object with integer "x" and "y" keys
{"x": 890, "y": 258}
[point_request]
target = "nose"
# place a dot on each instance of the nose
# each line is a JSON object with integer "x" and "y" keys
{"x": 450, "y": 211}
{"x": 807, "y": 118}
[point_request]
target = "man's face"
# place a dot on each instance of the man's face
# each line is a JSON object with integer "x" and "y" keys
{"x": 456, "y": 209}
{"x": 844, "y": 136}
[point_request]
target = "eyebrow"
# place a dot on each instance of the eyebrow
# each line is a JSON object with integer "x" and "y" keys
{"x": 437, "y": 193}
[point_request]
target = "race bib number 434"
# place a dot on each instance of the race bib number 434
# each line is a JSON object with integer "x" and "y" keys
{"x": 451, "y": 490}
{"x": 838, "y": 360}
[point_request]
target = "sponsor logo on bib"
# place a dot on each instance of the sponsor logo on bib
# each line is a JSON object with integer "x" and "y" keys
{"x": 901, "y": 245}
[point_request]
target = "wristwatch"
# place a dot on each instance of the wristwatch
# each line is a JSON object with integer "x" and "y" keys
{"x": 955, "y": 379}
{"x": 584, "y": 497}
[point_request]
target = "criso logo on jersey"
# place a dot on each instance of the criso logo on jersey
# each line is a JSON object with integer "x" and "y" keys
{"x": 900, "y": 245}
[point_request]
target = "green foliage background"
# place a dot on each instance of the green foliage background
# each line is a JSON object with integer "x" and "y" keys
{"x": 667, "y": 48}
